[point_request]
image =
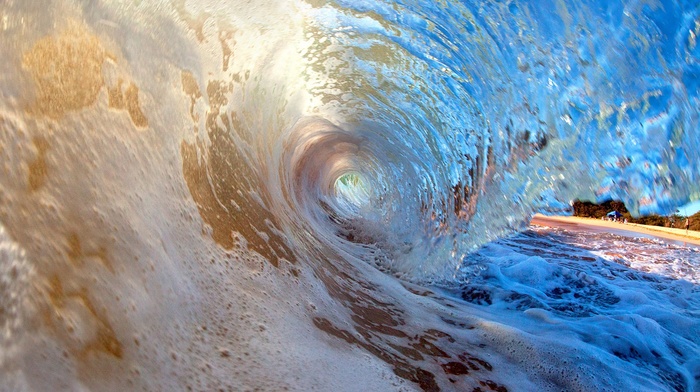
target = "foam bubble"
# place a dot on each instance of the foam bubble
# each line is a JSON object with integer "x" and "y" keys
{"x": 15, "y": 310}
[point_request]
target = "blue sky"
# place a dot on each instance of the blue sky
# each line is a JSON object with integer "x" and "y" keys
{"x": 690, "y": 208}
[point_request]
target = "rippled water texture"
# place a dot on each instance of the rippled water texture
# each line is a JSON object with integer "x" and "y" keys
{"x": 299, "y": 195}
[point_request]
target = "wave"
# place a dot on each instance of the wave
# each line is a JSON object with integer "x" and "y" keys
{"x": 192, "y": 188}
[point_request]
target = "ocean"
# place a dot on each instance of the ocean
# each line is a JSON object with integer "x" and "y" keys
{"x": 336, "y": 195}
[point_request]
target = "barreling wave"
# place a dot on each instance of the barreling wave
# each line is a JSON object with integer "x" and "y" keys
{"x": 181, "y": 174}
{"x": 469, "y": 117}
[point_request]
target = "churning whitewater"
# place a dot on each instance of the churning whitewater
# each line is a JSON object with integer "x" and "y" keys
{"x": 334, "y": 195}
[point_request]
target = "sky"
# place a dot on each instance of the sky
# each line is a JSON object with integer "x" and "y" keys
{"x": 690, "y": 208}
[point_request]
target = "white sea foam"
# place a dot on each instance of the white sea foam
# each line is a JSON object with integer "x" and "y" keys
{"x": 637, "y": 327}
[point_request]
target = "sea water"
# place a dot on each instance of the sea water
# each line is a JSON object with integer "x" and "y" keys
{"x": 305, "y": 195}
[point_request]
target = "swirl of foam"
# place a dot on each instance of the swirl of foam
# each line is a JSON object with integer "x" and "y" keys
{"x": 340, "y": 185}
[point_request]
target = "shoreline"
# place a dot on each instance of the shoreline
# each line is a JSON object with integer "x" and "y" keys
{"x": 679, "y": 235}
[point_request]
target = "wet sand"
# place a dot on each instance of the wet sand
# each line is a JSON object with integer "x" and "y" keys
{"x": 627, "y": 229}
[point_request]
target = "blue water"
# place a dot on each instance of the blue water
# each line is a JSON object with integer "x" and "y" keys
{"x": 496, "y": 110}
{"x": 335, "y": 195}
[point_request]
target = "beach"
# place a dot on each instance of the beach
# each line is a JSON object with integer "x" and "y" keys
{"x": 591, "y": 224}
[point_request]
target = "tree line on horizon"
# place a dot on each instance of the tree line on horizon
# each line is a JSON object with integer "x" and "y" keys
{"x": 587, "y": 209}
